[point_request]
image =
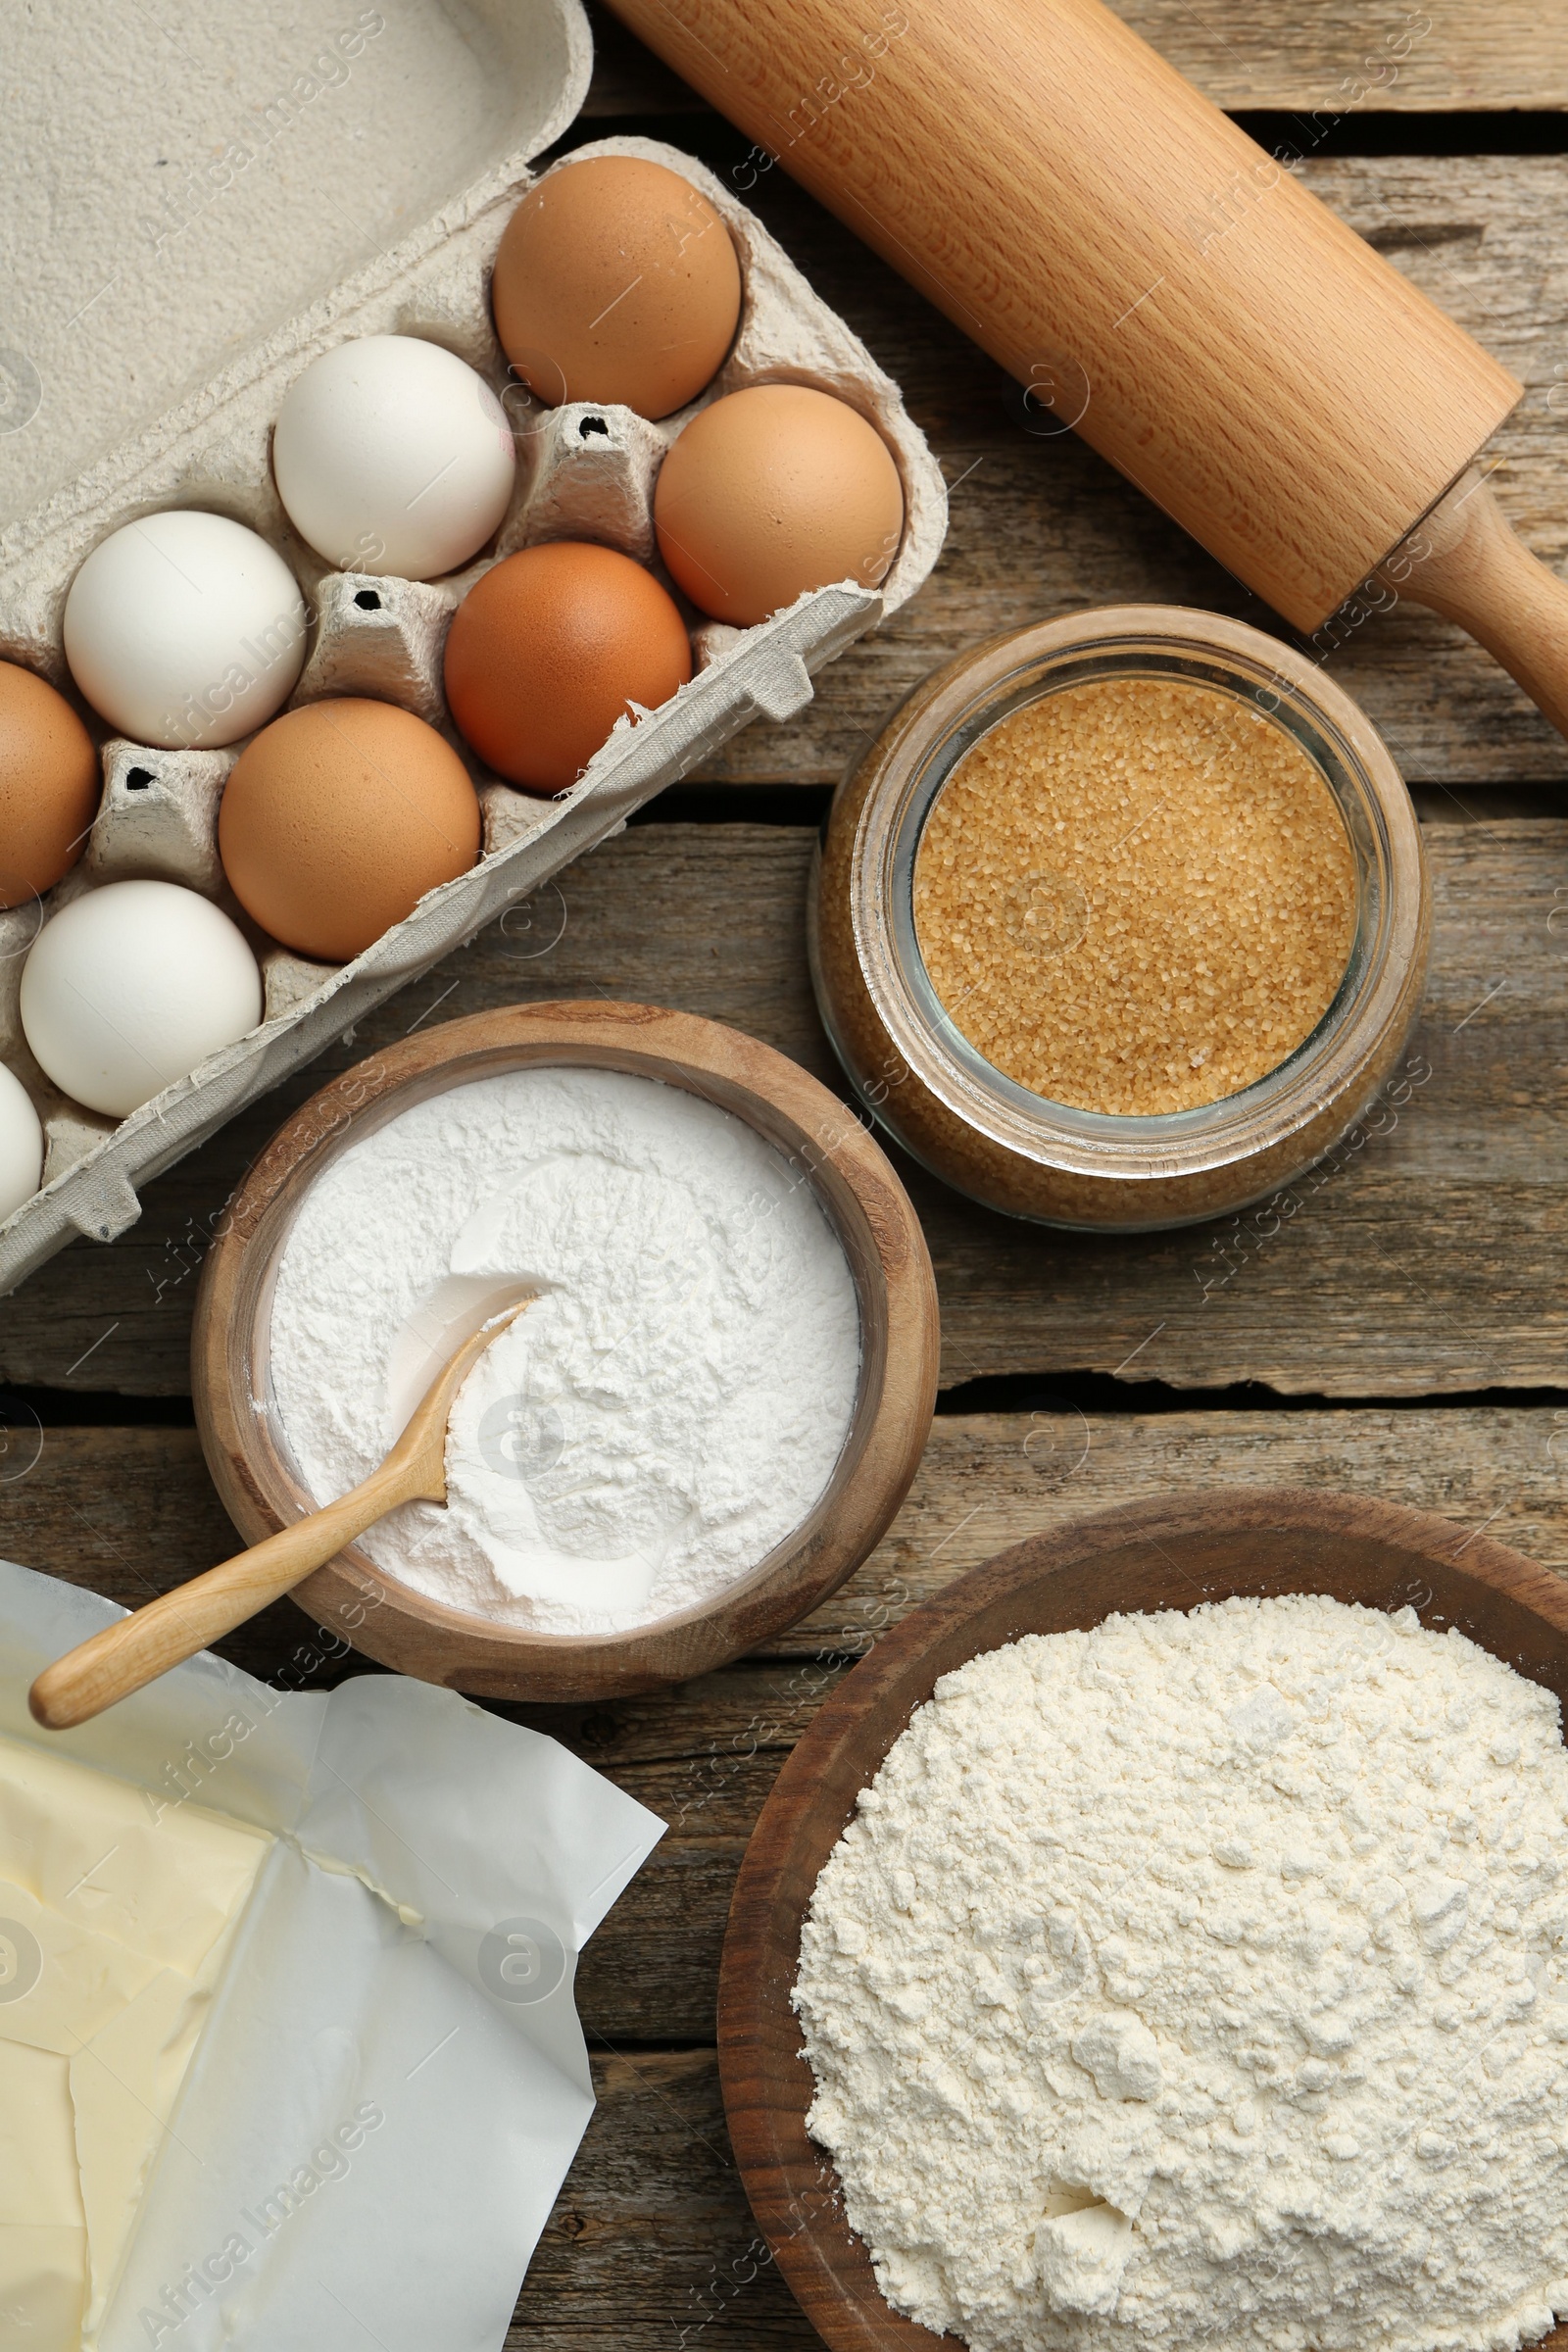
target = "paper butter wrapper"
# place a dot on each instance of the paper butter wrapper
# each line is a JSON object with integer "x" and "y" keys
{"x": 392, "y": 2081}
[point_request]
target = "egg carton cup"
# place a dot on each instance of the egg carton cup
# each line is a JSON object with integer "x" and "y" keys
{"x": 584, "y": 471}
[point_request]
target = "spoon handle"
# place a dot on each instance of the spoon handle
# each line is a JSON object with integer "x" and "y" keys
{"x": 137, "y": 1648}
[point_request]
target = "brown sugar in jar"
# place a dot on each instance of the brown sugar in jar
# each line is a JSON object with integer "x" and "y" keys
{"x": 1135, "y": 895}
{"x": 1345, "y": 851}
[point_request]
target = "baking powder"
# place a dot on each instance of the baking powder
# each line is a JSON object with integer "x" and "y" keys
{"x": 669, "y": 1408}
{"x": 1200, "y": 1980}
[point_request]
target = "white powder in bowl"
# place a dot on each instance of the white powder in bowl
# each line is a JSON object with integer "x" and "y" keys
{"x": 1202, "y": 1980}
{"x": 669, "y": 1408}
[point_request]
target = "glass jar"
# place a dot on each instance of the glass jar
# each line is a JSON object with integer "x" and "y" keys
{"x": 998, "y": 1140}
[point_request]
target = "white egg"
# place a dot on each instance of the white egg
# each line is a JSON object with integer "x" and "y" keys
{"x": 392, "y": 456}
{"x": 132, "y": 985}
{"x": 185, "y": 630}
{"x": 21, "y": 1144}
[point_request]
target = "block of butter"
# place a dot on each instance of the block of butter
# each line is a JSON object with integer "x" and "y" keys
{"x": 288, "y": 2051}
{"x": 114, "y": 1925}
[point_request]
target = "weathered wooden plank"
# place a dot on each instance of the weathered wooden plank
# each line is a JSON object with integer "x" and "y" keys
{"x": 1333, "y": 57}
{"x": 652, "y": 2244}
{"x": 1342, "y": 58}
{"x": 131, "y": 1512}
{"x": 990, "y": 1480}
{"x": 1041, "y": 526}
{"x": 1423, "y": 1257}
{"x": 126, "y": 1510}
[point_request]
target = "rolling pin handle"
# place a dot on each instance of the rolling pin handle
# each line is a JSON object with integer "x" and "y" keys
{"x": 1464, "y": 562}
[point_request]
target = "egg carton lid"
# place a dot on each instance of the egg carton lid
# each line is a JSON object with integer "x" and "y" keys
{"x": 187, "y": 191}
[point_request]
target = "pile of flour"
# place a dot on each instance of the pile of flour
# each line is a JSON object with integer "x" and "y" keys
{"x": 669, "y": 1408}
{"x": 1201, "y": 1980}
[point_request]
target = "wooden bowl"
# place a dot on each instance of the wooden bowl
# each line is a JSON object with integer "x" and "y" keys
{"x": 1158, "y": 1555}
{"x": 858, "y": 1192}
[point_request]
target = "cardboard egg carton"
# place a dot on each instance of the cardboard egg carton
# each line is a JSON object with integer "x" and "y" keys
{"x": 584, "y": 471}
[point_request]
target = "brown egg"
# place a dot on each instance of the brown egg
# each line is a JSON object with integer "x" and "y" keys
{"x": 338, "y": 818}
{"x": 550, "y": 648}
{"x": 616, "y": 281}
{"x": 773, "y": 491}
{"x": 49, "y": 785}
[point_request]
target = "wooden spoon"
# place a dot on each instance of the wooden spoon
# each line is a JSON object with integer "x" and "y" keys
{"x": 135, "y": 1650}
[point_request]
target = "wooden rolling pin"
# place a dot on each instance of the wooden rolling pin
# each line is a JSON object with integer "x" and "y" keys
{"x": 1154, "y": 278}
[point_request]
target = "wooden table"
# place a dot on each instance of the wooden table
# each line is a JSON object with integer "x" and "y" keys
{"x": 1402, "y": 1331}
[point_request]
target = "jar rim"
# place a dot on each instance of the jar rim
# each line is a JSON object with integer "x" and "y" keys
{"x": 929, "y": 735}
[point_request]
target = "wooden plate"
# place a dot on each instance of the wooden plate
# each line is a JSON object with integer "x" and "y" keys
{"x": 858, "y": 1192}
{"x": 1165, "y": 1554}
